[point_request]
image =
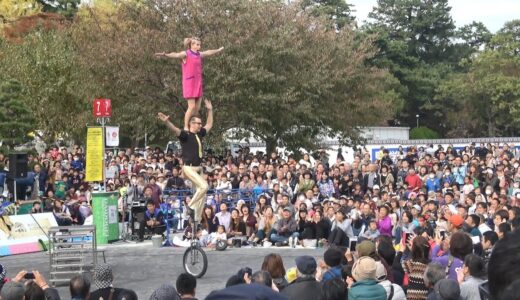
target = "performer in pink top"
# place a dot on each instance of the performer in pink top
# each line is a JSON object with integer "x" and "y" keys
{"x": 191, "y": 74}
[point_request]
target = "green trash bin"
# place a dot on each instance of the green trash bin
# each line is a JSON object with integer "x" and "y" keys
{"x": 104, "y": 209}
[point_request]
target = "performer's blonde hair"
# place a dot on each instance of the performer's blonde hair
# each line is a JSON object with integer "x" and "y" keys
{"x": 188, "y": 41}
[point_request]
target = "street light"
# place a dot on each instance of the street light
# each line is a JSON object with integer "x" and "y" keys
{"x": 417, "y": 116}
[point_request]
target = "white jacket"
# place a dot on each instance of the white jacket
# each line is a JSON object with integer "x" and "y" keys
{"x": 398, "y": 291}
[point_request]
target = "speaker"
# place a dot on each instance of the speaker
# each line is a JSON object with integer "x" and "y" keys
{"x": 18, "y": 164}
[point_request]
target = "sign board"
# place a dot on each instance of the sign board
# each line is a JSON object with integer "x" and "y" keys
{"x": 94, "y": 155}
{"x": 105, "y": 216}
{"x": 24, "y": 233}
{"x": 102, "y": 108}
{"x": 112, "y": 136}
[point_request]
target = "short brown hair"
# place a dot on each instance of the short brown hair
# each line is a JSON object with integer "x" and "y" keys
{"x": 273, "y": 264}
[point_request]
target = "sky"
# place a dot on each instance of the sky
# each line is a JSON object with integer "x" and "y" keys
{"x": 493, "y": 13}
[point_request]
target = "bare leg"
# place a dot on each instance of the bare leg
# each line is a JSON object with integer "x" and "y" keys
{"x": 190, "y": 112}
{"x": 198, "y": 103}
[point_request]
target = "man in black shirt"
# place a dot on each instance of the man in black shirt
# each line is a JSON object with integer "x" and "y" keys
{"x": 192, "y": 151}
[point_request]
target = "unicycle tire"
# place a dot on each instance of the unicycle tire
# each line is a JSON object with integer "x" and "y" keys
{"x": 195, "y": 261}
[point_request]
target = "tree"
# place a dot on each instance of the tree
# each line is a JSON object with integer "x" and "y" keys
{"x": 415, "y": 45}
{"x": 11, "y": 10}
{"x": 67, "y": 8}
{"x": 16, "y": 122}
{"x": 45, "y": 64}
{"x": 487, "y": 97}
{"x": 337, "y": 12}
{"x": 275, "y": 78}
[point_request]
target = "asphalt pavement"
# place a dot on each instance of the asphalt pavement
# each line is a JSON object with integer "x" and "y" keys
{"x": 142, "y": 268}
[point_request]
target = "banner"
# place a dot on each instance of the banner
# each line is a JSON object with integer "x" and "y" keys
{"x": 104, "y": 209}
{"x": 22, "y": 233}
{"x": 112, "y": 136}
{"x": 94, "y": 155}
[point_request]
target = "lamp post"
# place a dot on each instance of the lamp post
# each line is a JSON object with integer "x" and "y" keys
{"x": 417, "y": 117}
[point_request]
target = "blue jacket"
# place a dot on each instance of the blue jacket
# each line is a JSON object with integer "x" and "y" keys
{"x": 334, "y": 272}
{"x": 367, "y": 289}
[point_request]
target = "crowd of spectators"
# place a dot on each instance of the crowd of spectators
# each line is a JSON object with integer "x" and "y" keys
{"x": 421, "y": 208}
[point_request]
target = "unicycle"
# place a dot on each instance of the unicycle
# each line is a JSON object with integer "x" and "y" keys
{"x": 194, "y": 260}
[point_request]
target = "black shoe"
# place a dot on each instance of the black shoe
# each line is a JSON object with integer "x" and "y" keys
{"x": 278, "y": 244}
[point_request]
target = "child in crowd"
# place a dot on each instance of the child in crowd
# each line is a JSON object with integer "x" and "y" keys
{"x": 372, "y": 232}
{"x": 214, "y": 237}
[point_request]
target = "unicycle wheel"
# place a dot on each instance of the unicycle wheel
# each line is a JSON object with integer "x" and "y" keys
{"x": 195, "y": 261}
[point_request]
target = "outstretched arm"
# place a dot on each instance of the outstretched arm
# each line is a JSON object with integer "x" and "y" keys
{"x": 169, "y": 124}
{"x": 180, "y": 55}
{"x": 209, "y": 121}
{"x": 211, "y": 52}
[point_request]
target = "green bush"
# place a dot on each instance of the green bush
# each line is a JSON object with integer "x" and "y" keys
{"x": 422, "y": 133}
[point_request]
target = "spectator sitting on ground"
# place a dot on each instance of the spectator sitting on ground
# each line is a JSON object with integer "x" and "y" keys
{"x": 186, "y": 285}
{"x": 286, "y": 230}
{"x": 305, "y": 286}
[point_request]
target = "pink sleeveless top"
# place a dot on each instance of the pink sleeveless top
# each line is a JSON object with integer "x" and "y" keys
{"x": 192, "y": 75}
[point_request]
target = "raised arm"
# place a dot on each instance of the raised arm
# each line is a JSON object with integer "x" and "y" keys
{"x": 180, "y": 55}
{"x": 176, "y": 131}
{"x": 209, "y": 121}
{"x": 211, "y": 52}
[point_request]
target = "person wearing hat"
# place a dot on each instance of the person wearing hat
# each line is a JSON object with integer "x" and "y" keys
{"x": 305, "y": 286}
{"x": 306, "y": 183}
{"x": 103, "y": 278}
{"x": 341, "y": 229}
{"x": 393, "y": 291}
{"x": 286, "y": 229}
{"x": 455, "y": 223}
{"x": 366, "y": 286}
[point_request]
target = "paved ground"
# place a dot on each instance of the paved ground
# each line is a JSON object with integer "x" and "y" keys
{"x": 143, "y": 268}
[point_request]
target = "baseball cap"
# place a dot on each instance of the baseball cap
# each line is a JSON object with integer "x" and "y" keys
{"x": 456, "y": 220}
{"x": 306, "y": 264}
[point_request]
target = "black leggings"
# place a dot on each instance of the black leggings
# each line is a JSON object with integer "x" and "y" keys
{"x": 338, "y": 237}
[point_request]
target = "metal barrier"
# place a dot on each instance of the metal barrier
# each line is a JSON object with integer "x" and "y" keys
{"x": 214, "y": 197}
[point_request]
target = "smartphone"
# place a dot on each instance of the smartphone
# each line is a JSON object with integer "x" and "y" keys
{"x": 443, "y": 234}
{"x": 353, "y": 245}
{"x": 29, "y": 275}
{"x": 405, "y": 236}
